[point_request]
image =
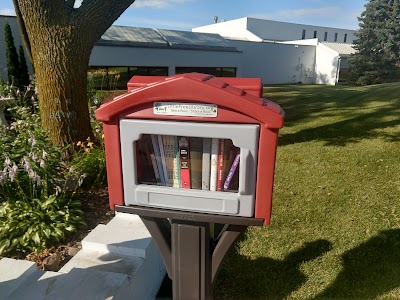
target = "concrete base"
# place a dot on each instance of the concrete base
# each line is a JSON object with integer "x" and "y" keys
{"x": 117, "y": 261}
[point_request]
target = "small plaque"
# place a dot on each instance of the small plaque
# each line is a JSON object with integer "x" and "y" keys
{"x": 185, "y": 109}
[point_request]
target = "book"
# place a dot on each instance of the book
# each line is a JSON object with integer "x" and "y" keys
{"x": 214, "y": 164}
{"x": 169, "y": 158}
{"x": 220, "y": 165}
{"x": 184, "y": 164}
{"x": 206, "y": 159}
{"x": 232, "y": 171}
{"x": 156, "y": 149}
{"x": 148, "y": 174}
{"x": 162, "y": 158}
{"x": 175, "y": 162}
{"x": 196, "y": 153}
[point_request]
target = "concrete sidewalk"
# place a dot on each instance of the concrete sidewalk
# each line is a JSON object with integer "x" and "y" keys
{"x": 118, "y": 261}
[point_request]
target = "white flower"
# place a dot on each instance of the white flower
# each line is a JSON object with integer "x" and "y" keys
{"x": 41, "y": 164}
{"x": 44, "y": 154}
{"x": 32, "y": 140}
{"x": 58, "y": 190}
{"x": 31, "y": 174}
{"x": 26, "y": 164}
{"x": 38, "y": 180}
{"x": 7, "y": 161}
{"x": 80, "y": 181}
{"x": 11, "y": 174}
{"x": 15, "y": 168}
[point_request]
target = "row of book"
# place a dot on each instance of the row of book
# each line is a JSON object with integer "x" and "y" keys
{"x": 188, "y": 162}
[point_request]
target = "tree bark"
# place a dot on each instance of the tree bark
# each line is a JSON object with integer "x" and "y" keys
{"x": 61, "y": 39}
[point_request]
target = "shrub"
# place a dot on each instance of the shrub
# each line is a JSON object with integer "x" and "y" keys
{"x": 91, "y": 161}
{"x": 35, "y": 207}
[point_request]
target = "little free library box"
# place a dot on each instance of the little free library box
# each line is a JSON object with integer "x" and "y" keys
{"x": 192, "y": 143}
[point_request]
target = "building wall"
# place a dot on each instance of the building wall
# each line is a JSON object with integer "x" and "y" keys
{"x": 277, "y": 63}
{"x": 12, "y": 21}
{"x": 160, "y": 57}
{"x": 257, "y": 29}
{"x": 327, "y": 65}
{"x": 282, "y": 31}
{"x": 233, "y": 29}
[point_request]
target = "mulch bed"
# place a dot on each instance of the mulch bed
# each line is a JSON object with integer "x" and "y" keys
{"x": 97, "y": 211}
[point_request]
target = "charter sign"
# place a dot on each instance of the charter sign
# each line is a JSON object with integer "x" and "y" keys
{"x": 185, "y": 109}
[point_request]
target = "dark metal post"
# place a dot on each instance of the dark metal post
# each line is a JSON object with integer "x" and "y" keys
{"x": 191, "y": 261}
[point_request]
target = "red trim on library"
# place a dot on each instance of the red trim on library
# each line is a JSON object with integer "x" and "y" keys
{"x": 238, "y": 101}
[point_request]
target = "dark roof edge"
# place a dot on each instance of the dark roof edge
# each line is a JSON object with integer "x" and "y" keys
{"x": 164, "y": 46}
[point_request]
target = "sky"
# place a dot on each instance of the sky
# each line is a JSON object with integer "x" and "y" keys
{"x": 187, "y": 14}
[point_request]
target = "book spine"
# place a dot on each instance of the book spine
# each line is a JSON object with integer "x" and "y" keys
{"x": 184, "y": 164}
{"x": 162, "y": 157}
{"x": 157, "y": 155}
{"x": 214, "y": 164}
{"x": 169, "y": 158}
{"x": 196, "y": 153}
{"x": 175, "y": 162}
{"x": 150, "y": 168}
{"x": 205, "y": 172}
{"x": 220, "y": 168}
{"x": 232, "y": 171}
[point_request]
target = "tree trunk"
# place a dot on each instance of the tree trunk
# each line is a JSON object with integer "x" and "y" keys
{"x": 61, "y": 74}
{"x": 61, "y": 39}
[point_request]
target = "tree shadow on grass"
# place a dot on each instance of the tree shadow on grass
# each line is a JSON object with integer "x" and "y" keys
{"x": 266, "y": 278}
{"x": 351, "y": 130}
{"x": 369, "y": 270}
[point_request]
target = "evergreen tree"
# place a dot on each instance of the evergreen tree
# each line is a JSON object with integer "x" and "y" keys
{"x": 23, "y": 68}
{"x": 12, "y": 56}
{"x": 377, "y": 44}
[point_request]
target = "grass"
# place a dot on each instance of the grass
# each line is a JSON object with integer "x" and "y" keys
{"x": 335, "y": 230}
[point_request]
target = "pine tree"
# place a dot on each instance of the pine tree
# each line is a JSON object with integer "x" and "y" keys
{"x": 23, "y": 68}
{"x": 12, "y": 56}
{"x": 377, "y": 44}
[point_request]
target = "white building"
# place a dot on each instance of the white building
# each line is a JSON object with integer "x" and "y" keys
{"x": 277, "y": 52}
{"x": 323, "y": 62}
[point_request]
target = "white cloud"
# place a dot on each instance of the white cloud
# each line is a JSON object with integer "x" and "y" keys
{"x": 157, "y": 3}
{"x": 7, "y": 12}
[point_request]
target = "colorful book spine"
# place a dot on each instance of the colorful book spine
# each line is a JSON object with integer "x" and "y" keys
{"x": 162, "y": 158}
{"x": 196, "y": 153}
{"x": 169, "y": 158}
{"x": 205, "y": 172}
{"x": 157, "y": 155}
{"x": 220, "y": 167}
{"x": 175, "y": 162}
{"x": 214, "y": 164}
{"x": 231, "y": 172}
{"x": 184, "y": 161}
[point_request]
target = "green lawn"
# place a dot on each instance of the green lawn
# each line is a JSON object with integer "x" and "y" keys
{"x": 335, "y": 229}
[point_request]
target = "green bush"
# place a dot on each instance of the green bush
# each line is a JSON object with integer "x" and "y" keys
{"x": 91, "y": 161}
{"x": 36, "y": 203}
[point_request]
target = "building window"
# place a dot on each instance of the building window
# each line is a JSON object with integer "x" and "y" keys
{"x": 114, "y": 78}
{"x": 303, "y": 36}
{"x": 335, "y": 37}
{"x": 315, "y": 34}
{"x": 345, "y": 38}
{"x": 326, "y": 36}
{"x": 218, "y": 72}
